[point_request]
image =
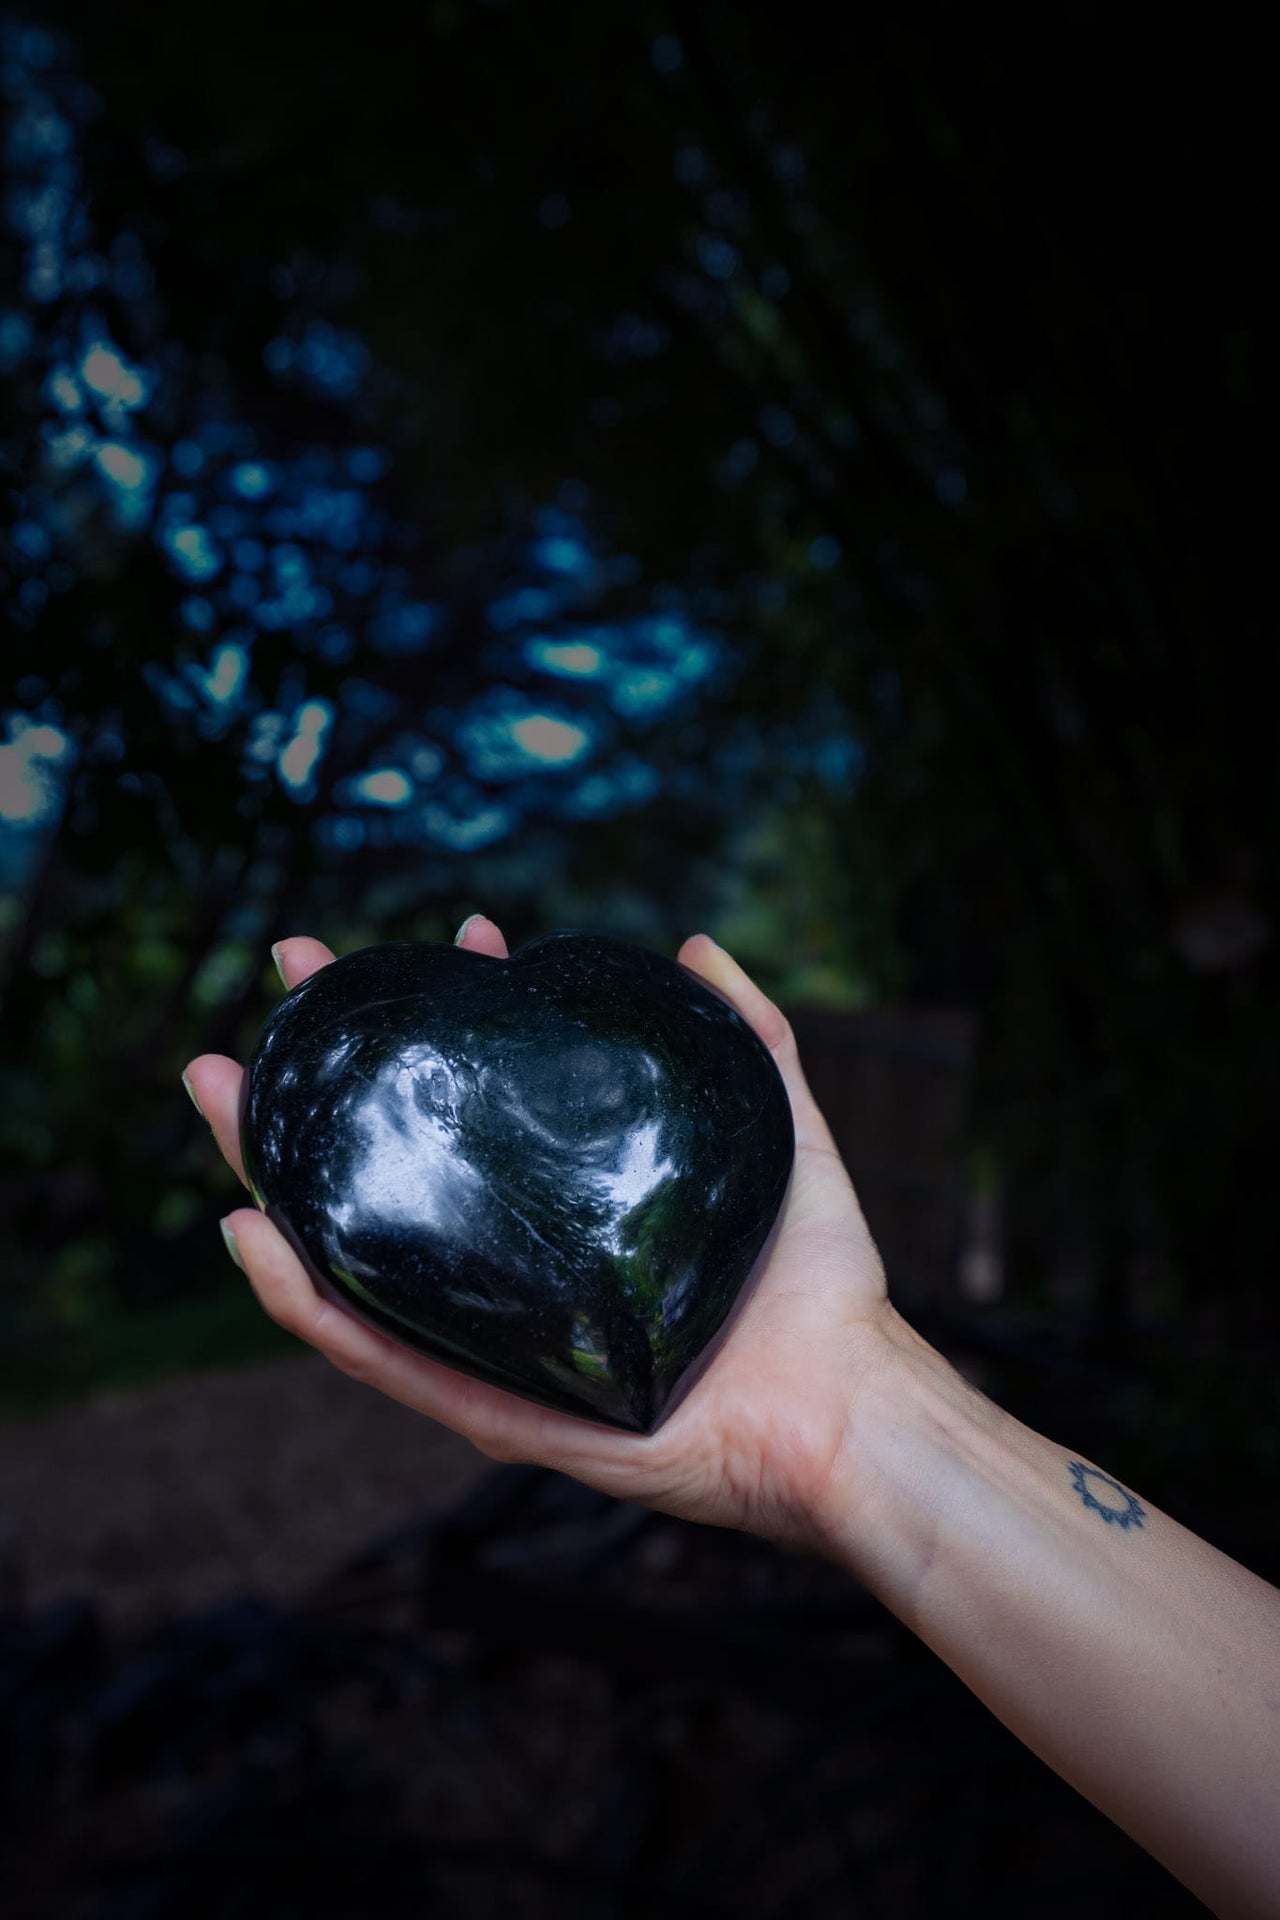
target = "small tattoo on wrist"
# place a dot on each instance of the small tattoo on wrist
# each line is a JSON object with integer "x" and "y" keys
{"x": 1101, "y": 1494}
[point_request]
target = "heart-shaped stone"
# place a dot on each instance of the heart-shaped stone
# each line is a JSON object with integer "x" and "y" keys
{"x": 555, "y": 1171}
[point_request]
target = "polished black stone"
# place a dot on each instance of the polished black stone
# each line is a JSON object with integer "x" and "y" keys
{"x": 555, "y": 1172}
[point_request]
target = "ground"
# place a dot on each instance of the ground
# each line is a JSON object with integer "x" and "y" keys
{"x": 260, "y": 1480}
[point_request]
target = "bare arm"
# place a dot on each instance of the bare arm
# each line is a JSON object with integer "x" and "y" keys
{"x": 1137, "y": 1661}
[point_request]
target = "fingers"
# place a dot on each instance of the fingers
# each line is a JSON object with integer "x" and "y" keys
{"x": 299, "y": 957}
{"x": 711, "y": 963}
{"x": 480, "y": 935}
{"x": 215, "y": 1082}
{"x": 498, "y": 1423}
{"x": 702, "y": 956}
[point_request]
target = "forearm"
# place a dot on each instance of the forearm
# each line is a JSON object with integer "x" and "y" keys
{"x": 1137, "y": 1661}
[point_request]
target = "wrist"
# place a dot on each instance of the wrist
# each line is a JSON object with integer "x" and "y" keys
{"x": 914, "y": 1432}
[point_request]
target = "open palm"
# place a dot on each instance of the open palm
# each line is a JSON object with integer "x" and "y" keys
{"x": 753, "y": 1444}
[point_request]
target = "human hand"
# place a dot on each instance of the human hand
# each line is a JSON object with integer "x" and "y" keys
{"x": 755, "y": 1442}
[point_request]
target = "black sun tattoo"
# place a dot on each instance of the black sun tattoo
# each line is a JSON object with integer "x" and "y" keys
{"x": 1127, "y": 1513}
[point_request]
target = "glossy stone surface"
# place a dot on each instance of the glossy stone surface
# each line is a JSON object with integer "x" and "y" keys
{"x": 555, "y": 1172}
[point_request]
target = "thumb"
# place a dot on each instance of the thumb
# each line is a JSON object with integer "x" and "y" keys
{"x": 701, "y": 955}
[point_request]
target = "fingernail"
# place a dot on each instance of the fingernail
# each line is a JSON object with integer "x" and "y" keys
{"x": 461, "y": 934}
{"x": 191, "y": 1090}
{"x": 275, "y": 955}
{"x": 232, "y": 1248}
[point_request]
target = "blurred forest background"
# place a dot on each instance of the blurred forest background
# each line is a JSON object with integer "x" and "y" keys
{"x": 651, "y": 468}
{"x": 645, "y": 467}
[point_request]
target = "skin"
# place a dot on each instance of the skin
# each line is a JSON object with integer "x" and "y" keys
{"x": 1139, "y": 1662}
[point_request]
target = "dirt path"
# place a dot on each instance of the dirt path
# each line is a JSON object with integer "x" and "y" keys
{"x": 258, "y": 1481}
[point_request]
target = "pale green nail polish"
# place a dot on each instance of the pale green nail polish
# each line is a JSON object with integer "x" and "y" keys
{"x": 191, "y": 1090}
{"x": 232, "y": 1248}
{"x": 275, "y": 955}
{"x": 460, "y": 935}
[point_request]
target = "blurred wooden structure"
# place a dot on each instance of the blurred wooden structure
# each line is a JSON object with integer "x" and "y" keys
{"x": 895, "y": 1088}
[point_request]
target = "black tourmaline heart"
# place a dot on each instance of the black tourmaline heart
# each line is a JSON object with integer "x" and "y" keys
{"x": 554, "y": 1172}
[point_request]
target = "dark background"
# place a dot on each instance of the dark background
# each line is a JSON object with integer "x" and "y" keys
{"x": 651, "y": 468}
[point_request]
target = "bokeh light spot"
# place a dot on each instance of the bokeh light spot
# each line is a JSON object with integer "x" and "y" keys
{"x": 107, "y": 374}
{"x": 576, "y": 659}
{"x": 558, "y": 743}
{"x": 387, "y": 787}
